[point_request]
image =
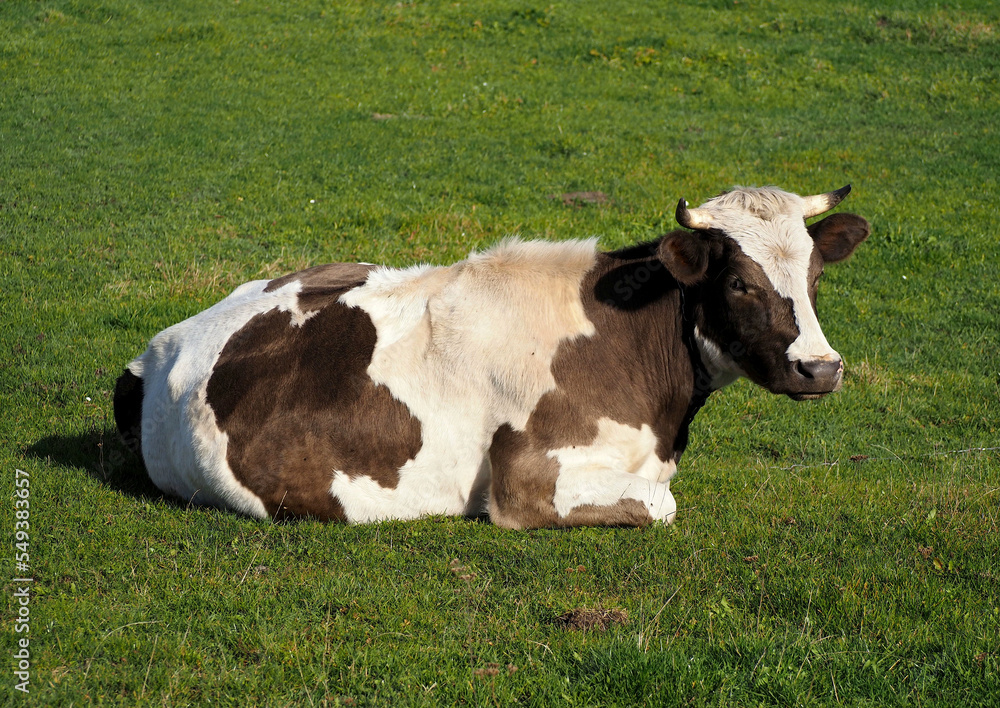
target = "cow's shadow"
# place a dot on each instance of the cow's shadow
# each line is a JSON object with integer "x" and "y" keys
{"x": 105, "y": 458}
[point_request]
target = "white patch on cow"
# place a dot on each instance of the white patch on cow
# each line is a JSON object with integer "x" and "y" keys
{"x": 467, "y": 348}
{"x": 720, "y": 366}
{"x": 667, "y": 472}
{"x": 396, "y": 300}
{"x": 769, "y": 226}
{"x": 182, "y": 445}
{"x": 418, "y": 494}
{"x": 620, "y": 463}
{"x": 297, "y": 316}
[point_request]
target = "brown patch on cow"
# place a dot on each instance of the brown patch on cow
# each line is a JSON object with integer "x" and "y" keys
{"x": 627, "y": 512}
{"x": 524, "y": 481}
{"x": 635, "y": 370}
{"x": 328, "y": 277}
{"x": 585, "y": 620}
{"x": 297, "y": 404}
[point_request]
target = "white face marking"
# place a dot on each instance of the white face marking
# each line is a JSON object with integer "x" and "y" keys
{"x": 775, "y": 238}
{"x": 620, "y": 463}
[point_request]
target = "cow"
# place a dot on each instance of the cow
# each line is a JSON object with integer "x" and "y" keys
{"x": 541, "y": 384}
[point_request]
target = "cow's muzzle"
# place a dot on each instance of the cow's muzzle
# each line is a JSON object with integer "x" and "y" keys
{"x": 817, "y": 378}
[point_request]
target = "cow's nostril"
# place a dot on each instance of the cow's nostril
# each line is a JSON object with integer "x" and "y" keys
{"x": 819, "y": 368}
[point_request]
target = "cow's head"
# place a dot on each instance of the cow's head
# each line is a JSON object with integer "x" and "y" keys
{"x": 750, "y": 266}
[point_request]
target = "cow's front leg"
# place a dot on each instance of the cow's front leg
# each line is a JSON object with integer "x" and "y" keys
{"x": 605, "y": 483}
{"x": 588, "y": 493}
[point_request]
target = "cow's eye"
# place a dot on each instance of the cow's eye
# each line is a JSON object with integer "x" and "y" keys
{"x": 736, "y": 284}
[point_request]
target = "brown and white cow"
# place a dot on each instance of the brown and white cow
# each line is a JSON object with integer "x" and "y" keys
{"x": 546, "y": 384}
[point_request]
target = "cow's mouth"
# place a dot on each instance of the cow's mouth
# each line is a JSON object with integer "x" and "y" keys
{"x": 808, "y": 396}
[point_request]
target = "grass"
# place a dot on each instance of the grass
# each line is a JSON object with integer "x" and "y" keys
{"x": 153, "y": 156}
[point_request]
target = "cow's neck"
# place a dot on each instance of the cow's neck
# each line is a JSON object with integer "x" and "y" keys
{"x": 705, "y": 377}
{"x": 643, "y": 320}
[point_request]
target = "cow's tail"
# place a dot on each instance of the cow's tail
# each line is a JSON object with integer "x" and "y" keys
{"x": 128, "y": 409}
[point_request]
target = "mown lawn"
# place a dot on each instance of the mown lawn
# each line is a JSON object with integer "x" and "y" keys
{"x": 155, "y": 155}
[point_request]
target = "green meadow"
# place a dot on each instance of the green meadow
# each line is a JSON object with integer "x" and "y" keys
{"x": 153, "y": 156}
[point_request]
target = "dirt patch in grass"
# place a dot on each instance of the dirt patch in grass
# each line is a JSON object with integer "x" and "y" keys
{"x": 579, "y": 199}
{"x": 584, "y": 620}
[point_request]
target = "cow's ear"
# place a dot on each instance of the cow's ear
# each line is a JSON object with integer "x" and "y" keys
{"x": 685, "y": 254}
{"x": 838, "y": 235}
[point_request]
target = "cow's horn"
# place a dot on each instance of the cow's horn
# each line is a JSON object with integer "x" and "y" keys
{"x": 819, "y": 203}
{"x": 692, "y": 218}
